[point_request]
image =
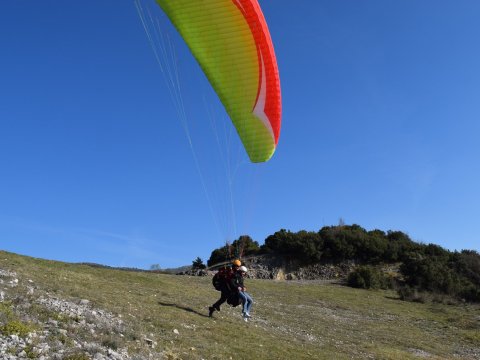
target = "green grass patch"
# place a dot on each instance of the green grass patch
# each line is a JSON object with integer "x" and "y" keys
{"x": 16, "y": 327}
{"x": 6, "y": 312}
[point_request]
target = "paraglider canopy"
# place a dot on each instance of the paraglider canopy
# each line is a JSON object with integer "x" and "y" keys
{"x": 231, "y": 42}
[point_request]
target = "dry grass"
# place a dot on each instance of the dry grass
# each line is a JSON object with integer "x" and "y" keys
{"x": 291, "y": 320}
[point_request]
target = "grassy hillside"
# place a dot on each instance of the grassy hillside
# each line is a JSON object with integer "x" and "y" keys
{"x": 291, "y": 320}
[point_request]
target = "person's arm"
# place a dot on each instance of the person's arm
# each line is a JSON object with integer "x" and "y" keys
{"x": 240, "y": 285}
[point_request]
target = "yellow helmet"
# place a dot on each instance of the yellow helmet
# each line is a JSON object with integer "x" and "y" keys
{"x": 237, "y": 262}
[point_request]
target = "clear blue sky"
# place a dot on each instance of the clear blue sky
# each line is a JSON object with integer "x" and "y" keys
{"x": 381, "y": 128}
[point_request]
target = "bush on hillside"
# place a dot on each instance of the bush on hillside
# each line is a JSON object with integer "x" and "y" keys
{"x": 368, "y": 277}
{"x": 439, "y": 271}
{"x": 243, "y": 246}
{"x": 198, "y": 264}
{"x": 340, "y": 243}
{"x": 303, "y": 246}
{"x": 467, "y": 263}
{"x": 426, "y": 268}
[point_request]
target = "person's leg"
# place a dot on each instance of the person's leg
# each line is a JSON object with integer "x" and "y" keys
{"x": 223, "y": 298}
{"x": 243, "y": 298}
{"x": 216, "y": 306}
{"x": 249, "y": 303}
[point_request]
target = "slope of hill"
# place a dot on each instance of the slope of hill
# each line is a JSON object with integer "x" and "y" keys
{"x": 55, "y": 310}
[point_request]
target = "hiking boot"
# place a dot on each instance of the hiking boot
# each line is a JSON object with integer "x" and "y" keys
{"x": 211, "y": 309}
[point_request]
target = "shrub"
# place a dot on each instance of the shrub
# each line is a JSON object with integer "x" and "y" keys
{"x": 110, "y": 342}
{"x": 368, "y": 277}
{"x": 243, "y": 246}
{"x": 303, "y": 246}
{"x": 6, "y": 312}
{"x": 77, "y": 356}
{"x": 467, "y": 263}
{"x": 16, "y": 327}
{"x": 198, "y": 263}
{"x": 409, "y": 293}
{"x": 442, "y": 273}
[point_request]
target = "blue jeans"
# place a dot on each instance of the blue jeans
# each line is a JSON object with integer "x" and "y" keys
{"x": 247, "y": 301}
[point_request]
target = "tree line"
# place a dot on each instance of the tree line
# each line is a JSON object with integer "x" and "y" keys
{"x": 423, "y": 267}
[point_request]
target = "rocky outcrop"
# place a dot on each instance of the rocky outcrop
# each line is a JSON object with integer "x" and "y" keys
{"x": 40, "y": 325}
{"x": 321, "y": 272}
{"x": 275, "y": 268}
{"x": 196, "y": 272}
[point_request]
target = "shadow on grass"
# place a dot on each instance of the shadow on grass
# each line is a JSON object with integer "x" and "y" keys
{"x": 187, "y": 309}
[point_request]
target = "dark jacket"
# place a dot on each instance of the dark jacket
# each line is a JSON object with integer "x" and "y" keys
{"x": 237, "y": 281}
